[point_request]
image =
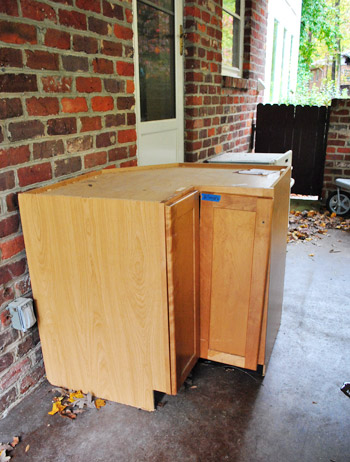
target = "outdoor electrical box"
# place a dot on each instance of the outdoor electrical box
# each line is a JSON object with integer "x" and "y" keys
{"x": 22, "y": 314}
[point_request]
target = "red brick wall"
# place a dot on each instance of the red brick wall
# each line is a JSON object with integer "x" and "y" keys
{"x": 66, "y": 107}
{"x": 338, "y": 145}
{"x": 219, "y": 111}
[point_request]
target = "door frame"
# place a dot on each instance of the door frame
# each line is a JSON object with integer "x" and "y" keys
{"x": 179, "y": 82}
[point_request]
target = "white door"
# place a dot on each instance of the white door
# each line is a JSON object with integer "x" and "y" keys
{"x": 159, "y": 81}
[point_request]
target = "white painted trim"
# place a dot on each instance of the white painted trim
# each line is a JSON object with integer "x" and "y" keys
{"x": 136, "y": 71}
{"x": 179, "y": 79}
{"x": 231, "y": 71}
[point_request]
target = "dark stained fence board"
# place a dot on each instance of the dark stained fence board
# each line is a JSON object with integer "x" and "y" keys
{"x": 274, "y": 128}
{"x": 302, "y": 129}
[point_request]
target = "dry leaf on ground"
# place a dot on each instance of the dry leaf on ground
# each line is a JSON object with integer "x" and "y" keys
{"x": 68, "y": 413}
{"x": 4, "y": 457}
{"x": 15, "y": 441}
{"x": 4, "y": 448}
{"x": 77, "y": 395}
{"x": 100, "y": 403}
{"x": 66, "y": 405}
{"x": 310, "y": 225}
{"x": 56, "y": 407}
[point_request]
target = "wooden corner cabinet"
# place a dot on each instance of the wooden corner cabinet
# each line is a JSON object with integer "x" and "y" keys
{"x": 137, "y": 272}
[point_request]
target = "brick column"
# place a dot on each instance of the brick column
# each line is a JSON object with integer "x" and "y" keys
{"x": 338, "y": 145}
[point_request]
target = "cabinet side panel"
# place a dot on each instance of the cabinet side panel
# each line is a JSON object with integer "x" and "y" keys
{"x": 261, "y": 355}
{"x": 97, "y": 268}
{"x": 233, "y": 243}
{"x": 258, "y": 280}
{"x": 277, "y": 261}
{"x": 183, "y": 286}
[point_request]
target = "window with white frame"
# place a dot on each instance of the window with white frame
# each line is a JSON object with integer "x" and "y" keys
{"x": 232, "y": 37}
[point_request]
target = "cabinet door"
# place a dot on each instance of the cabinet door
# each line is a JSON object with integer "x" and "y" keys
{"x": 182, "y": 234}
{"x": 234, "y": 236}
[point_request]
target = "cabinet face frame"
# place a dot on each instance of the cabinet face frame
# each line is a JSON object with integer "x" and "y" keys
{"x": 182, "y": 241}
{"x": 255, "y": 286}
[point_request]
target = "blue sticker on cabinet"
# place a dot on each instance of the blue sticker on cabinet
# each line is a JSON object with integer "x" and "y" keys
{"x": 211, "y": 197}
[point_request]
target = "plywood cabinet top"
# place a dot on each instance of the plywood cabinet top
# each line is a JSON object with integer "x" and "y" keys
{"x": 162, "y": 183}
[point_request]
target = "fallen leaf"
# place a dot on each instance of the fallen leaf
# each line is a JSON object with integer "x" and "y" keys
{"x": 76, "y": 395}
{"x": 309, "y": 225}
{"x": 333, "y": 215}
{"x": 311, "y": 254}
{"x": 27, "y": 448}
{"x": 99, "y": 403}
{"x": 71, "y": 403}
{"x": 56, "y": 407}
{"x": 4, "y": 457}
{"x": 334, "y": 251}
{"x": 80, "y": 403}
{"x": 15, "y": 441}
{"x": 311, "y": 213}
{"x": 68, "y": 413}
{"x": 89, "y": 401}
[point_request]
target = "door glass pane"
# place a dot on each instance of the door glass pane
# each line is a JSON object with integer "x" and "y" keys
{"x": 156, "y": 63}
{"x": 230, "y": 40}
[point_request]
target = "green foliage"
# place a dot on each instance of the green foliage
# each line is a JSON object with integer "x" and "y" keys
{"x": 319, "y": 25}
{"x": 307, "y": 95}
{"x": 324, "y": 33}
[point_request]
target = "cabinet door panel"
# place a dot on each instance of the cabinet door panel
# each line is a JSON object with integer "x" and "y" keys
{"x": 182, "y": 230}
{"x": 234, "y": 236}
{"x": 231, "y": 275}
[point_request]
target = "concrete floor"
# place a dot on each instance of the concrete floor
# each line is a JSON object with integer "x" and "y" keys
{"x": 296, "y": 413}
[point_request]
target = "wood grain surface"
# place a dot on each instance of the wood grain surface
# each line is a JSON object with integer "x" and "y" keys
{"x": 160, "y": 185}
{"x": 233, "y": 245}
{"x": 258, "y": 280}
{"x": 278, "y": 252}
{"x": 98, "y": 270}
{"x": 182, "y": 231}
